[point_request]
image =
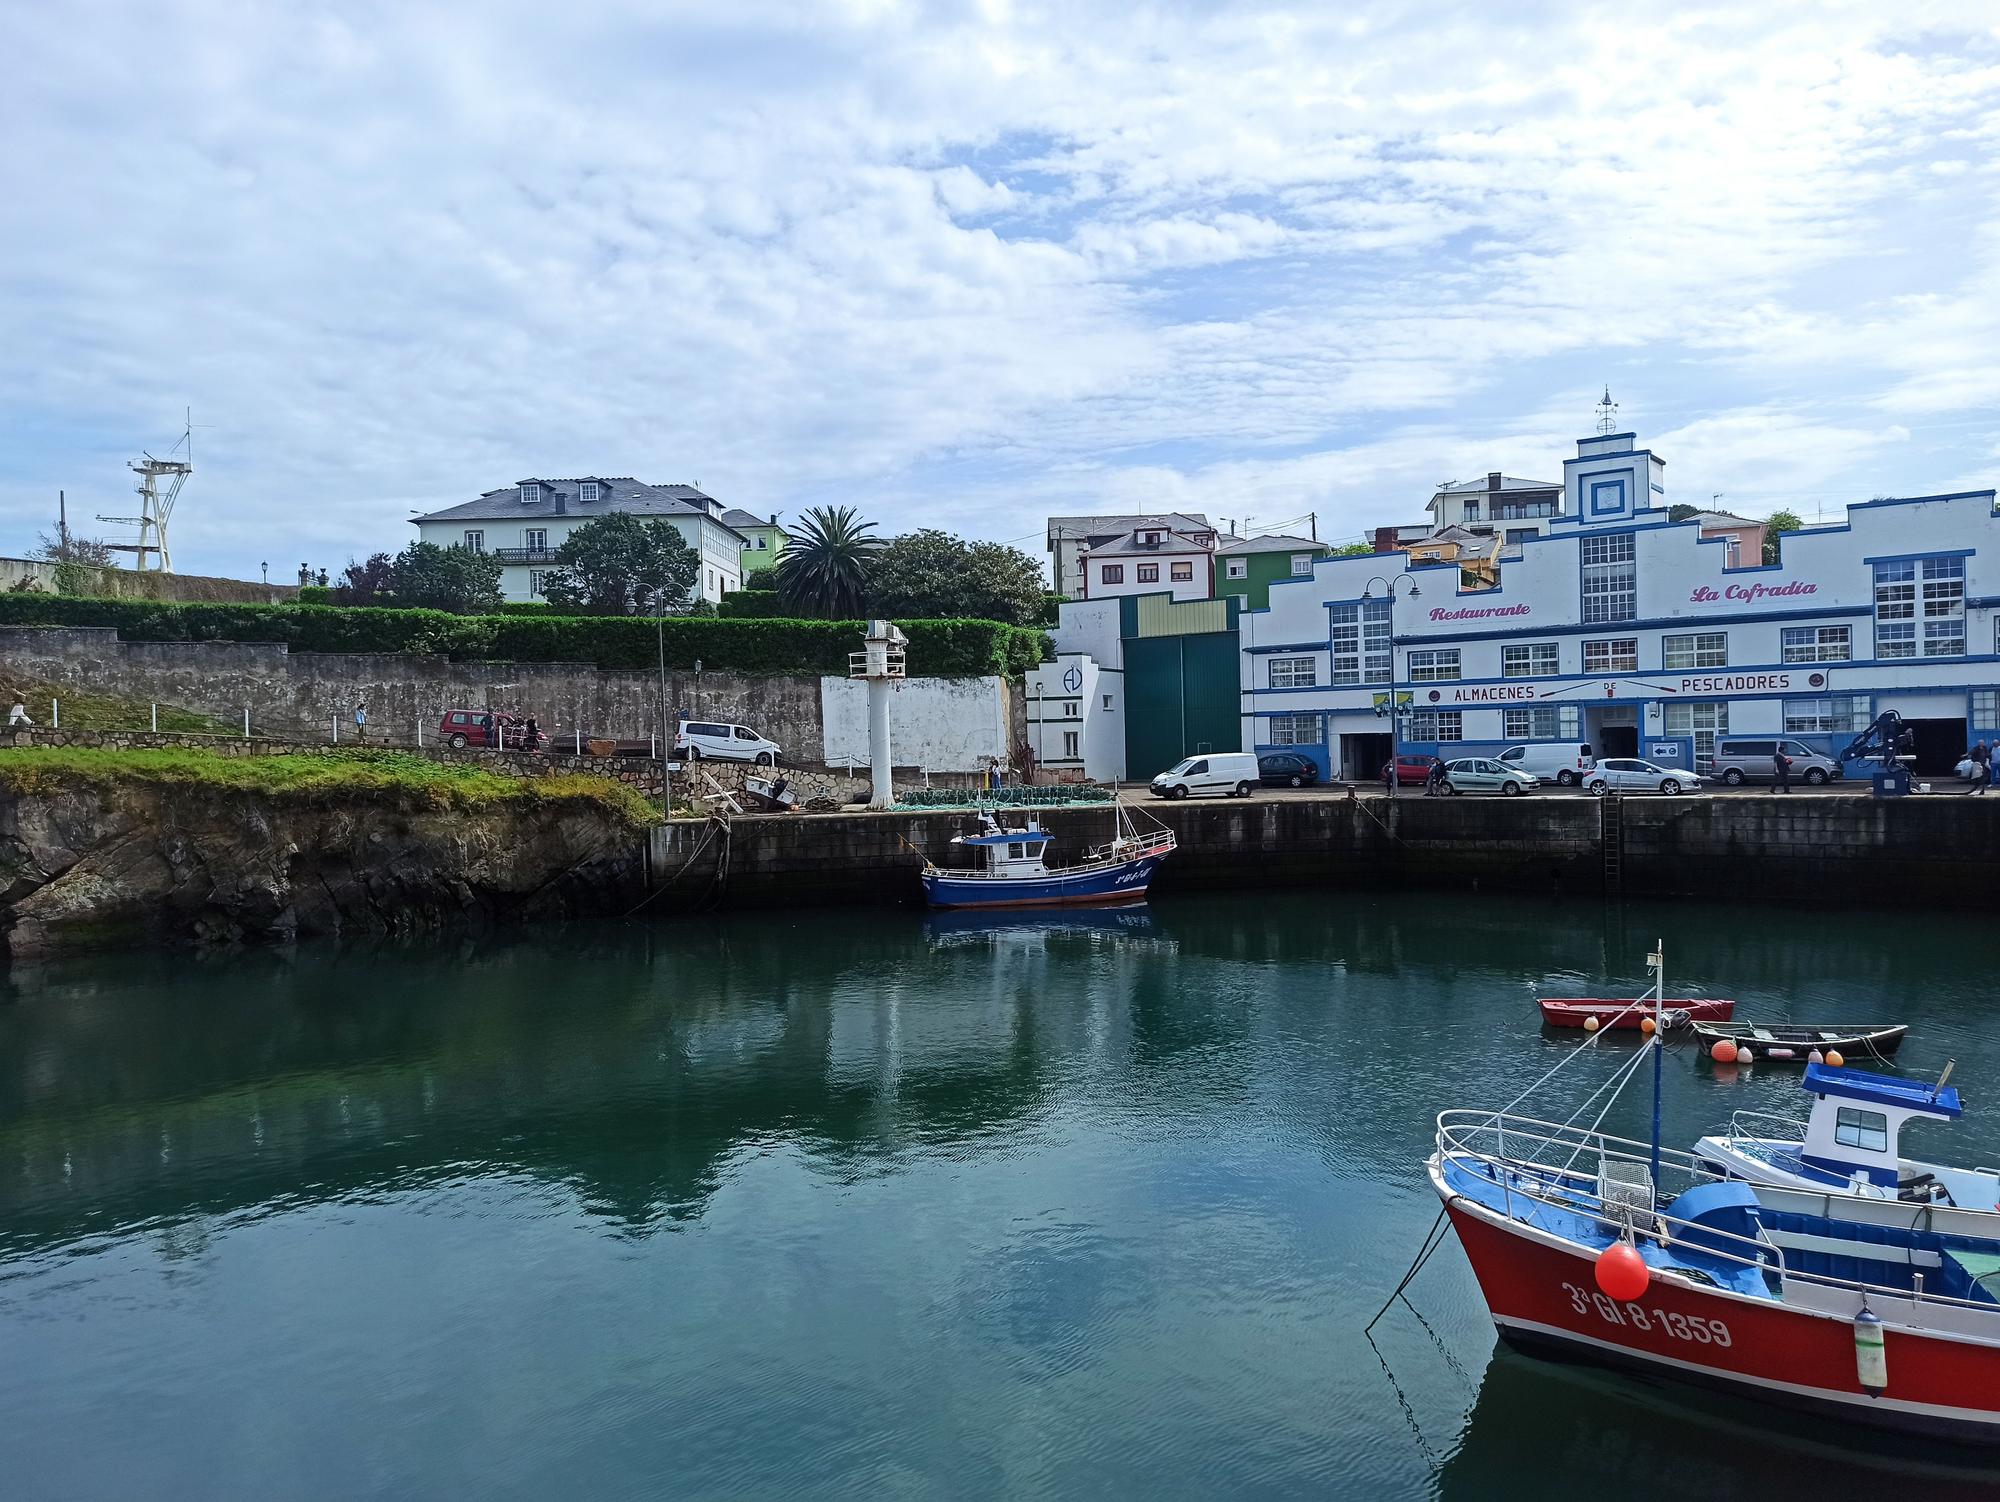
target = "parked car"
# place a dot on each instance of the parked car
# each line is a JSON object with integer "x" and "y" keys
{"x": 459, "y": 728}
{"x": 1411, "y": 771}
{"x": 1627, "y": 774}
{"x": 1482, "y": 774}
{"x": 1231, "y": 773}
{"x": 1740, "y": 759}
{"x": 708, "y": 740}
{"x": 1567, "y": 762}
{"x": 1287, "y": 769}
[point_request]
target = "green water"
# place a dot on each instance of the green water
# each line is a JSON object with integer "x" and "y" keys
{"x": 855, "y": 1204}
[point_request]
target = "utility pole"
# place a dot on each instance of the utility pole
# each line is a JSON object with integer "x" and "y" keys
{"x": 62, "y": 523}
{"x": 1312, "y": 522}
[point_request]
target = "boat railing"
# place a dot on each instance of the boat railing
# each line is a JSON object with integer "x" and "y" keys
{"x": 1458, "y": 1135}
{"x": 1741, "y": 1126}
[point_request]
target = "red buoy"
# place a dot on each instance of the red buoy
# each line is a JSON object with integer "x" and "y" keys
{"x": 1723, "y": 1051}
{"x": 1622, "y": 1272}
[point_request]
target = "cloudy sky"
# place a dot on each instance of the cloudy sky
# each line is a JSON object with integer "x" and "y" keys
{"x": 967, "y": 264}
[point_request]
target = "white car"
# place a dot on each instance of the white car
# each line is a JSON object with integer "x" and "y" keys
{"x": 1627, "y": 774}
{"x": 707, "y": 740}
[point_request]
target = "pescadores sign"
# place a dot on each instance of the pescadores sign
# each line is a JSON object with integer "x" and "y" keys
{"x": 1750, "y": 594}
{"x": 1476, "y": 612}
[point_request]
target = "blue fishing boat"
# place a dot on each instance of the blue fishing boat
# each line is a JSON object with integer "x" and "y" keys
{"x": 1012, "y": 870}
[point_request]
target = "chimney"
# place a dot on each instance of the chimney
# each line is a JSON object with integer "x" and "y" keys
{"x": 1493, "y": 480}
{"x": 562, "y": 502}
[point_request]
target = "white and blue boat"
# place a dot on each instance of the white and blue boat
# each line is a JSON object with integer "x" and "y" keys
{"x": 1012, "y": 869}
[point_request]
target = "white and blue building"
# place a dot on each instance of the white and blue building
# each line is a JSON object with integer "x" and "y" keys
{"x": 1619, "y": 627}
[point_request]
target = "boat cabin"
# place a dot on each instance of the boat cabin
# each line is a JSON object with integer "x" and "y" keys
{"x": 1857, "y": 1119}
{"x": 1009, "y": 852}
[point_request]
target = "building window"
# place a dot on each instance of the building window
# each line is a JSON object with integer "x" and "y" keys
{"x": 475, "y": 542}
{"x": 1610, "y": 579}
{"x": 1900, "y": 604}
{"x": 1704, "y": 650}
{"x": 535, "y": 539}
{"x": 1437, "y": 665}
{"x": 530, "y": 492}
{"x": 587, "y": 491}
{"x": 1302, "y": 563}
{"x": 1181, "y": 573}
{"x": 1944, "y": 607}
{"x": 1896, "y": 609}
{"x": 1294, "y": 672}
{"x": 1071, "y": 709}
{"x": 1114, "y": 573}
{"x": 1702, "y": 723}
{"x": 1237, "y": 568}
{"x": 1825, "y": 716}
{"x": 1149, "y": 573}
{"x": 1541, "y": 722}
{"x": 1360, "y": 642}
{"x": 1107, "y": 701}
{"x": 1069, "y": 744}
{"x": 1294, "y": 730}
{"x": 1985, "y": 707}
{"x": 760, "y": 543}
{"x": 1817, "y": 643}
{"x": 537, "y": 577}
{"x": 1436, "y": 725}
{"x": 1618, "y": 655}
{"x": 1533, "y": 659}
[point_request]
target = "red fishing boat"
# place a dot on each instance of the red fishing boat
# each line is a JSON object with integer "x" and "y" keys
{"x": 1626, "y": 1012}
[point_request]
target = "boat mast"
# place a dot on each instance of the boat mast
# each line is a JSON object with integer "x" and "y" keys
{"x": 1657, "y": 963}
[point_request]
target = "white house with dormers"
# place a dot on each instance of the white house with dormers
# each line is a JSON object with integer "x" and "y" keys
{"x": 527, "y": 521}
{"x": 1151, "y": 559}
{"x": 1641, "y": 636}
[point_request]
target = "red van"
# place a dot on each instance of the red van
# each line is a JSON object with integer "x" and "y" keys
{"x": 468, "y": 727}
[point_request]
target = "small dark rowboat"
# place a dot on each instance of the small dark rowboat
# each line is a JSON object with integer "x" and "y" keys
{"x": 1782, "y": 1042}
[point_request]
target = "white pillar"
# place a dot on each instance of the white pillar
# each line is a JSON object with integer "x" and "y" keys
{"x": 879, "y": 690}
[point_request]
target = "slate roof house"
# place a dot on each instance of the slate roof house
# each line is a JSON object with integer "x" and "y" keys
{"x": 1070, "y": 537}
{"x": 527, "y": 521}
{"x": 763, "y": 541}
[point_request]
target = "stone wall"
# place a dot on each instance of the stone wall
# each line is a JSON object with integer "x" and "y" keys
{"x": 130, "y": 584}
{"x": 304, "y": 695}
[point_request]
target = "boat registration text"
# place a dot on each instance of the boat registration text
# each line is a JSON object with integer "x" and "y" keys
{"x": 1691, "y": 1328}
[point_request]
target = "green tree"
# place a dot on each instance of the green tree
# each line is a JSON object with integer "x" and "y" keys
{"x": 370, "y": 583}
{"x": 624, "y": 565}
{"x": 1354, "y": 550}
{"x": 824, "y": 568}
{"x": 1776, "y": 522}
{"x": 929, "y": 575}
{"x": 457, "y": 579}
{"x": 1681, "y": 511}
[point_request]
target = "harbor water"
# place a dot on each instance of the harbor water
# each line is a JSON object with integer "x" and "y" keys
{"x": 872, "y": 1204}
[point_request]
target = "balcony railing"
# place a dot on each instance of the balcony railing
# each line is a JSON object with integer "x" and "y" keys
{"x": 525, "y": 555}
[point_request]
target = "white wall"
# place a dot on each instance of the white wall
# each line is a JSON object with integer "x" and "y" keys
{"x": 942, "y": 724}
{"x": 1076, "y": 695}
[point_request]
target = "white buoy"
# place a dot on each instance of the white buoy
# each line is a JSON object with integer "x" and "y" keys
{"x": 1871, "y": 1357}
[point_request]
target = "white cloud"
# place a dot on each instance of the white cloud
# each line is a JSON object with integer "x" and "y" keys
{"x": 962, "y": 265}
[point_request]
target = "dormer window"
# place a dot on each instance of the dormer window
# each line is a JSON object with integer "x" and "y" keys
{"x": 587, "y": 492}
{"x": 1149, "y": 539}
{"x": 531, "y": 491}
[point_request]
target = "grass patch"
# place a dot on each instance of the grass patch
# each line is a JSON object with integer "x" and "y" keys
{"x": 103, "y": 712}
{"x": 317, "y": 776}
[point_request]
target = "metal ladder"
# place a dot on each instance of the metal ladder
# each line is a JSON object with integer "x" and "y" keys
{"x": 1611, "y": 837}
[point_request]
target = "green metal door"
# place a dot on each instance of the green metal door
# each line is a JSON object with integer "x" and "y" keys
{"x": 1211, "y": 694}
{"x": 1181, "y": 698}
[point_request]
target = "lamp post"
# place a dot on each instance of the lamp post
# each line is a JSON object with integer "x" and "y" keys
{"x": 1389, "y": 585}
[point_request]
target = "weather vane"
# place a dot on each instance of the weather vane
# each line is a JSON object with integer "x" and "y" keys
{"x": 1607, "y": 412}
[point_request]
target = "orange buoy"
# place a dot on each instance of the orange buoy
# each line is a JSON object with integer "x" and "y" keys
{"x": 1648, "y": 1026}
{"x": 1622, "y": 1272}
{"x": 1833, "y": 1059}
{"x": 1590, "y": 1024}
{"x": 1723, "y": 1051}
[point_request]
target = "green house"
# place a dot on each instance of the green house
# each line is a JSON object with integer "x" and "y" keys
{"x": 763, "y": 541}
{"x": 1248, "y": 566}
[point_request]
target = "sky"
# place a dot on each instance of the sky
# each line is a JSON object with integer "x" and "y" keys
{"x": 968, "y": 265}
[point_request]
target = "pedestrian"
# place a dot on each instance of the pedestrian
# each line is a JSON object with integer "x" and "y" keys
{"x": 18, "y": 715}
{"x": 1982, "y": 768}
{"x": 1389, "y": 775}
{"x": 360, "y": 721}
{"x": 1781, "y": 765}
{"x": 1434, "y": 778}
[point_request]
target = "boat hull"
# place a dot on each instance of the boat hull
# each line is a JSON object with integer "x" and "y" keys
{"x": 1125, "y": 882}
{"x": 1543, "y": 1297}
{"x": 1784, "y": 1042}
{"x": 1626, "y": 1012}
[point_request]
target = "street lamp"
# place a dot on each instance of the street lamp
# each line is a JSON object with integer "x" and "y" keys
{"x": 1395, "y": 710}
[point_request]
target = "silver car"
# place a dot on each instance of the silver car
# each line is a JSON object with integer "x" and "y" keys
{"x": 1740, "y": 759}
{"x": 1627, "y": 774}
{"x": 1482, "y": 774}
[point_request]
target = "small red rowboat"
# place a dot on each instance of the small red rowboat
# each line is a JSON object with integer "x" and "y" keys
{"x": 1626, "y": 1012}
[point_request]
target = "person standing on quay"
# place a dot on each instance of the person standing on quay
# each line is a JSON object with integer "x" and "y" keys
{"x": 18, "y": 715}
{"x": 1982, "y": 768}
{"x": 1781, "y": 764}
{"x": 360, "y": 720}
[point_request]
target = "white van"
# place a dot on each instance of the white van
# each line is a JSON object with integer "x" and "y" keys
{"x": 1230, "y": 773}
{"x": 705, "y": 740}
{"x": 1562, "y": 762}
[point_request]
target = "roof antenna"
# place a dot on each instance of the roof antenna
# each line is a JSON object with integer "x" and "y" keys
{"x": 1607, "y": 412}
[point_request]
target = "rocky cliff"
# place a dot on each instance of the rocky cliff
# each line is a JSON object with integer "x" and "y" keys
{"x": 94, "y": 866}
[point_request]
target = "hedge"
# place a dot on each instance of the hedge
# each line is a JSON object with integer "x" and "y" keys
{"x": 315, "y": 594}
{"x": 947, "y": 649}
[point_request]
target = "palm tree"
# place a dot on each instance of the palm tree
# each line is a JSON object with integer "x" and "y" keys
{"x": 824, "y": 568}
